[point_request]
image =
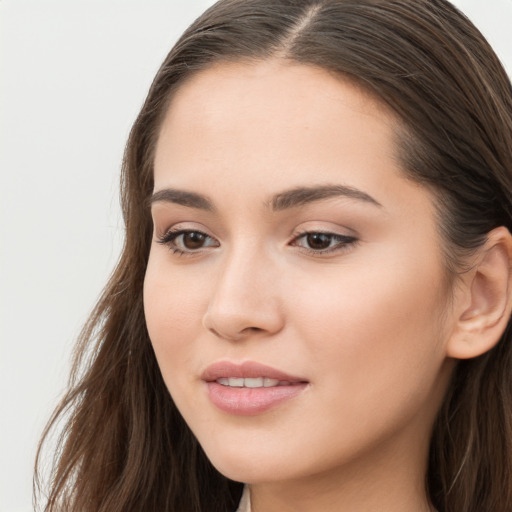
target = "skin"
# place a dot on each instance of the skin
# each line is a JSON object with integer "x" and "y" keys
{"x": 367, "y": 324}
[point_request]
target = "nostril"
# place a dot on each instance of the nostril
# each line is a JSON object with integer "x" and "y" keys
{"x": 225, "y": 336}
{"x": 216, "y": 333}
{"x": 252, "y": 329}
{"x": 238, "y": 336}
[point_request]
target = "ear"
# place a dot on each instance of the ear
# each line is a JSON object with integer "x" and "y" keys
{"x": 485, "y": 300}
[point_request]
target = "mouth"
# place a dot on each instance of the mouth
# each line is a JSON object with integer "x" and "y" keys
{"x": 249, "y": 388}
{"x": 253, "y": 382}
{"x": 248, "y": 374}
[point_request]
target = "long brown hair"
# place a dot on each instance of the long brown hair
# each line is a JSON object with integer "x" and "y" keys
{"x": 124, "y": 446}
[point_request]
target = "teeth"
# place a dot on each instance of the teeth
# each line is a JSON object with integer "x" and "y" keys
{"x": 254, "y": 382}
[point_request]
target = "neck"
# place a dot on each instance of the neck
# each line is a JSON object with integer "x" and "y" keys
{"x": 392, "y": 480}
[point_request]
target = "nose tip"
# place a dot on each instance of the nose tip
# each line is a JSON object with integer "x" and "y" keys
{"x": 241, "y": 307}
{"x": 242, "y": 322}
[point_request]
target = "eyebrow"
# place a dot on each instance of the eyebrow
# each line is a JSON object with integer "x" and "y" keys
{"x": 288, "y": 199}
{"x": 182, "y": 197}
{"x": 300, "y": 196}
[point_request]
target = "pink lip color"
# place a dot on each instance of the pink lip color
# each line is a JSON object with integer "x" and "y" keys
{"x": 249, "y": 401}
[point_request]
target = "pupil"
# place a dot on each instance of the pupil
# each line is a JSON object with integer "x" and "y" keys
{"x": 319, "y": 241}
{"x": 193, "y": 240}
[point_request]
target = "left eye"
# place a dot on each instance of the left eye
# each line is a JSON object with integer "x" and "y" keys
{"x": 323, "y": 242}
{"x": 188, "y": 240}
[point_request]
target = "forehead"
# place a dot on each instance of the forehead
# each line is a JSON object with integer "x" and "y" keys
{"x": 270, "y": 115}
{"x": 284, "y": 80}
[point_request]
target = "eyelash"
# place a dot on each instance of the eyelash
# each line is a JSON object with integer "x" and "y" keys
{"x": 169, "y": 240}
{"x": 343, "y": 242}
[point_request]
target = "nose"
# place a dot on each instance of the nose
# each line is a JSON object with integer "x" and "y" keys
{"x": 245, "y": 299}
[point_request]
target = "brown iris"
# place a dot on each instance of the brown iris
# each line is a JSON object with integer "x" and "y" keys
{"x": 319, "y": 240}
{"x": 193, "y": 240}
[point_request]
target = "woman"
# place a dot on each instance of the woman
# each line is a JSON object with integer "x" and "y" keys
{"x": 314, "y": 293}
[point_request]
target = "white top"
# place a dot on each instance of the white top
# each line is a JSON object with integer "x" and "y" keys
{"x": 245, "y": 501}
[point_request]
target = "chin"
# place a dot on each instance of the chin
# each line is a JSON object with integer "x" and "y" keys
{"x": 251, "y": 474}
{"x": 242, "y": 466}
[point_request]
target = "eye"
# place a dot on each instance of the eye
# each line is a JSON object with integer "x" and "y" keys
{"x": 187, "y": 241}
{"x": 319, "y": 242}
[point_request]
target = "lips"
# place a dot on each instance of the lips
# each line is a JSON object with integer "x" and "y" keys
{"x": 246, "y": 370}
{"x": 251, "y": 382}
{"x": 249, "y": 388}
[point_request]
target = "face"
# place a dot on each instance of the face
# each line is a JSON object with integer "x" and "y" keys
{"x": 295, "y": 285}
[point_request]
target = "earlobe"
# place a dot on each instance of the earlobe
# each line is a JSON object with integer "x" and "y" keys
{"x": 487, "y": 299}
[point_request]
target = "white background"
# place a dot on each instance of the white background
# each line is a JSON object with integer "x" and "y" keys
{"x": 73, "y": 74}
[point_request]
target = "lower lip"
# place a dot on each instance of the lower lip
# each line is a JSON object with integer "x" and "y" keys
{"x": 251, "y": 401}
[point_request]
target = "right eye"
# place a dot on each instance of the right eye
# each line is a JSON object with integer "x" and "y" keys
{"x": 319, "y": 243}
{"x": 187, "y": 241}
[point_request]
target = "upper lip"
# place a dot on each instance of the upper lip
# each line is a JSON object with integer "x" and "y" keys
{"x": 246, "y": 369}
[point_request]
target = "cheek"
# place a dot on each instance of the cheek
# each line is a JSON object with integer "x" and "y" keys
{"x": 174, "y": 303}
{"x": 376, "y": 330}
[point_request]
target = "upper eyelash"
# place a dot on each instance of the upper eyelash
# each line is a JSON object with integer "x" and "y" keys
{"x": 345, "y": 241}
{"x": 169, "y": 236}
